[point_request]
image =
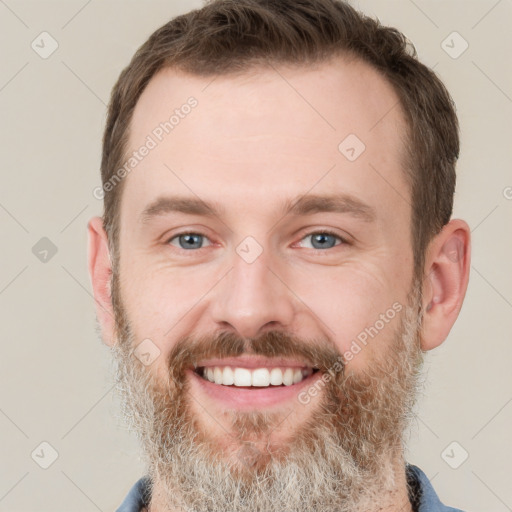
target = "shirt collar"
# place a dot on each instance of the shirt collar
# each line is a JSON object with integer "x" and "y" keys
{"x": 421, "y": 493}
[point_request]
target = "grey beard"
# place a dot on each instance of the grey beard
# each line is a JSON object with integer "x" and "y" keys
{"x": 343, "y": 458}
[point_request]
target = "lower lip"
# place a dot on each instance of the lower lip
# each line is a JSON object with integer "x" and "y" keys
{"x": 251, "y": 398}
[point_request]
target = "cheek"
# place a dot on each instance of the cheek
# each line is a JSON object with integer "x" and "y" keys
{"x": 158, "y": 298}
{"x": 155, "y": 300}
{"x": 355, "y": 307}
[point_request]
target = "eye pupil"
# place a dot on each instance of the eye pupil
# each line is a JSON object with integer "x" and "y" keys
{"x": 322, "y": 240}
{"x": 191, "y": 239}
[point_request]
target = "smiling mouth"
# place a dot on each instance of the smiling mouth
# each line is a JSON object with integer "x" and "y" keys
{"x": 256, "y": 378}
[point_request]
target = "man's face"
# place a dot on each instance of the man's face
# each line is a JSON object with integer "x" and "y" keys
{"x": 259, "y": 285}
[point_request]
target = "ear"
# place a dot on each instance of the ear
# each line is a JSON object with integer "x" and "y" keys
{"x": 100, "y": 273}
{"x": 445, "y": 281}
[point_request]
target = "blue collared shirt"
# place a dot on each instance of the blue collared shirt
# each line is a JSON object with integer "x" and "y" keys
{"x": 422, "y": 495}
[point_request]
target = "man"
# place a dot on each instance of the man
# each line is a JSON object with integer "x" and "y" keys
{"x": 275, "y": 257}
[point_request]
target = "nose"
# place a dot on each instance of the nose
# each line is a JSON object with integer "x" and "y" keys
{"x": 252, "y": 298}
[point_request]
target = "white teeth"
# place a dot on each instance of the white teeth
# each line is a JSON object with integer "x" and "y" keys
{"x": 228, "y": 377}
{"x": 297, "y": 376}
{"x": 242, "y": 377}
{"x": 276, "y": 376}
{"x": 288, "y": 377}
{"x": 217, "y": 375}
{"x": 259, "y": 377}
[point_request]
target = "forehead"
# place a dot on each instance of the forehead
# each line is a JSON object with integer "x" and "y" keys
{"x": 269, "y": 132}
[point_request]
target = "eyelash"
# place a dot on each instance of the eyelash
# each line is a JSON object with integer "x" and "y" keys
{"x": 319, "y": 232}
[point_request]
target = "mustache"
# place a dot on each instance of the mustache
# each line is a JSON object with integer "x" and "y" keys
{"x": 318, "y": 353}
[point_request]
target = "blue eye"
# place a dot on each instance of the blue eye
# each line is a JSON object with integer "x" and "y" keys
{"x": 324, "y": 239}
{"x": 188, "y": 241}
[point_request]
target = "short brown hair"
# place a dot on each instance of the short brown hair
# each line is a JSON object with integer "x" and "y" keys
{"x": 231, "y": 36}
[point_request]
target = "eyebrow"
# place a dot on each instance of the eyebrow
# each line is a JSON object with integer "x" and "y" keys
{"x": 301, "y": 206}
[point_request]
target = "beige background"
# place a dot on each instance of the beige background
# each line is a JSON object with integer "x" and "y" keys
{"x": 55, "y": 383}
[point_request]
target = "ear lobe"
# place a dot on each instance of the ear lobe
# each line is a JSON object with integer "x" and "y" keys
{"x": 100, "y": 273}
{"x": 445, "y": 282}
